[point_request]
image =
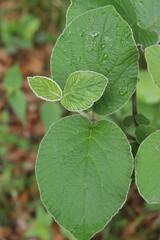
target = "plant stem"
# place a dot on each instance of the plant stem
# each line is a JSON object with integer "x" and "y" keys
{"x": 130, "y": 137}
{"x": 134, "y": 108}
{"x": 92, "y": 118}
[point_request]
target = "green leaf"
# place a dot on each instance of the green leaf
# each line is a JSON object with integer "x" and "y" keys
{"x": 141, "y": 119}
{"x": 104, "y": 46}
{"x": 45, "y": 88}
{"x": 50, "y": 112}
{"x": 82, "y": 89}
{"x": 31, "y": 24}
{"x": 124, "y": 7}
{"x": 67, "y": 234}
{"x": 128, "y": 121}
{"x": 147, "y": 92}
{"x": 153, "y": 61}
{"x": 84, "y": 172}
{"x": 148, "y": 14}
{"x": 148, "y": 168}
{"x": 135, "y": 147}
{"x": 41, "y": 225}
{"x": 143, "y": 131}
{"x": 143, "y": 37}
{"x": 13, "y": 79}
{"x": 18, "y": 103}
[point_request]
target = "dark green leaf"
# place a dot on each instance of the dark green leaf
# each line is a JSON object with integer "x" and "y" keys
{"x": 104, "y": 46}
{"x": 143, "y": 131}
{"x": 84, "y": 171}
{"x": 125, "y": 8}
{"x": 128, "y": 121}
{"x": 141, "y": 119}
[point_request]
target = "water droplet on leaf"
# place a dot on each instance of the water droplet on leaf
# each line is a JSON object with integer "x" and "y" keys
{"x": 105, "y": 58}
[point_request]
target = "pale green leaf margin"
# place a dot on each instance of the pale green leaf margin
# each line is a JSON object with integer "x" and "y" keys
{"x": 48, "y": 79}
{"x": 126, "y": 192}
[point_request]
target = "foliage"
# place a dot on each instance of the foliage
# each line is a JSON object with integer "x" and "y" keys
{"x": 41, "y": 225}
{"x": 12, "y": 84}
{"x": 19, "y": 34}
{"x": 147, "y": 168}
{"x": 152, "y": 57}
{"x": 85, "y": 166}
{"x": 50, "y": 113}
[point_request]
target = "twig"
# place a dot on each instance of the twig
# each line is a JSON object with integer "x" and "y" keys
{"x": 130, "y": 137}
{"x": 88, "y": 116}
{"x": 134, "y": 109}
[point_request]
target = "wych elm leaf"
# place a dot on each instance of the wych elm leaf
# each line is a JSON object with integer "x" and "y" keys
{"x": 84, "y": 171}
{"x": 104, "y": 45}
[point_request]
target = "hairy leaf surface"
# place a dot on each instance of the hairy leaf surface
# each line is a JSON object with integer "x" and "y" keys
{"x": 83, "y": 171}
{"x": 148, "y": 168}
{"x": 103, "y": 45}
{"x": 82, "y": 89}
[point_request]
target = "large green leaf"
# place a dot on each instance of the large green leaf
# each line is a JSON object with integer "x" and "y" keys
{"x": 82, "y": 89}
{"x": 124, "y": 7}
{"x": 148, "y": 14}
{"x": 83, "y": 171}
{"x": 153, "y": 60}
{"x": 148, "y": 168}
{"x": 45, "y": 88}
{"x": 103, "y": 45}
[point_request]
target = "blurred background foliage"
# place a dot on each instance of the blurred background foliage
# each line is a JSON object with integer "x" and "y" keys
{"x": 28, "y": 31}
